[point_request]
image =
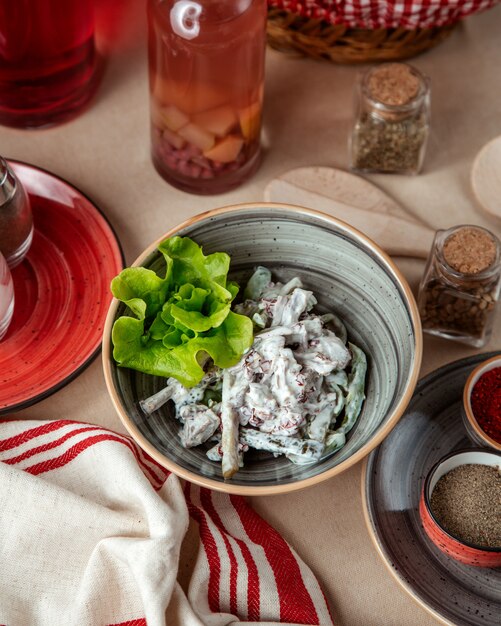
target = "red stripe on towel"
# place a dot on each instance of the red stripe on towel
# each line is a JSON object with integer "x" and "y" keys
{"x": 151, "y": 460}
{"x": 73, "y": 452}
{"x": 253, "y": 588}
{"x": 141, "y": 457}
{"x": 296, "y": 604}
{"x": 134, "y": 622}
{"x": 253, "y": 592}
{"x": 210, "y": 548}
{"x": 48, "y": 446}
{"x": 206, "y": 500}
{"x": 17, "y": 440}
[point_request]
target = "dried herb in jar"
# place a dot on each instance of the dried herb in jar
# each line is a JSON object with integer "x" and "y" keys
{"x": 467, "y": 503}
{"x": 391, "y": 129}
{"x": 460, "y": 286}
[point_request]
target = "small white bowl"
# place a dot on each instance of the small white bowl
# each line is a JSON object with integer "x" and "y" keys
{"x": 475, "y": 433}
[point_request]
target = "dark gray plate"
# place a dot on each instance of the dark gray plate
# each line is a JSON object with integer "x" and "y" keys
{"x": 393, "y": 478}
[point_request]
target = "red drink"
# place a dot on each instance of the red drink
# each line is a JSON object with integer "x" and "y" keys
{"x": 206, "y": 61}
{"x": 47, "y": 60}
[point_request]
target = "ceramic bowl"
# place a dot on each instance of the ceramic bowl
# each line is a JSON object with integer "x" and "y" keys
{"x": 462, "y": 551}
{"x": 475, "y": 433}
{"x": 350, "y": 275}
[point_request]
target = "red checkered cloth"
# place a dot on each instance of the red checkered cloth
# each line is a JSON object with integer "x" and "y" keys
{"x": 373, "y": 14}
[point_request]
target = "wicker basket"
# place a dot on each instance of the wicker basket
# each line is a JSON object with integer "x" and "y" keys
{"x": 318, "y": 39}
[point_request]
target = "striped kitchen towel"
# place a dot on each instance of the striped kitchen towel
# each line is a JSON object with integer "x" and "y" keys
{"x": 91, "y": 531}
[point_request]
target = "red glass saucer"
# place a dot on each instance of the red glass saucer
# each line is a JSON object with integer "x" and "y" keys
{"x": 62, "y": 291}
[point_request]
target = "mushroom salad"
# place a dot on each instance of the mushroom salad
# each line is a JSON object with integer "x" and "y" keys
{"x": 297, "y": 391}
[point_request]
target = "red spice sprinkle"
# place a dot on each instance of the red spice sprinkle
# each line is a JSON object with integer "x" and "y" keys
{"x": 486, "y": 403}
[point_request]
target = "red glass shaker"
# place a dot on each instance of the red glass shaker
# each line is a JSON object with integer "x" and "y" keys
{"x": 206, "y": 66}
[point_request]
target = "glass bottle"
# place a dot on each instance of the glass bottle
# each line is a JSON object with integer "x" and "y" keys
{"x": 206, "y": 71}
{"x": 47, "y": 60}
{"x": 458, "y": 304}
{"x": 392, "y": 116}
{"x": 6, "y": 296}
{"x": 16, "y": 222}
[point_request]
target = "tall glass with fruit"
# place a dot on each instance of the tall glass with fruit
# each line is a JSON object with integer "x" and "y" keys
{"x": 206, "y": 67}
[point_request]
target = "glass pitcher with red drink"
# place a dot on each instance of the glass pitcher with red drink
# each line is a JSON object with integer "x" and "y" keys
{"x": 47, "y": 60}
{"x": 206, "y": 65}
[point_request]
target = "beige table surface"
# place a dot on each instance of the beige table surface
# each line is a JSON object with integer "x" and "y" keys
{"x": 105, "y": 153}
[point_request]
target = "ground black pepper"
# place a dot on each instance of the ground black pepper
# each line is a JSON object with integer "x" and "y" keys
{"x": 467, "y": 503}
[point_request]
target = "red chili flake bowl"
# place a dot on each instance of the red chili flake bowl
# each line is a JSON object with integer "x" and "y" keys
{"x": 473, "y": 428}
{"x": 462, "y": 551}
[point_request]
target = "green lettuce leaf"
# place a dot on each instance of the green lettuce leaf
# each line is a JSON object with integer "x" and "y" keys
{"x": 176, "y": 322}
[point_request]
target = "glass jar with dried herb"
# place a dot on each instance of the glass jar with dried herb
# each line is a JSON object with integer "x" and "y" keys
{"x": 461, "y": 284}
{"x": 392, "y": 120}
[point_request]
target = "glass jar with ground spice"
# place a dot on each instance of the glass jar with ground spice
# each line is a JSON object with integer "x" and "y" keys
{"x": 16, "y": 223}
{"x": 392, "y": 120}
{"x": 461, "y": 283}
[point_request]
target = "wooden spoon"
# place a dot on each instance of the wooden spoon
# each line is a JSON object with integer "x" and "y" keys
{"x": 359, "y": 203}
{"x": 486, "y": 177}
